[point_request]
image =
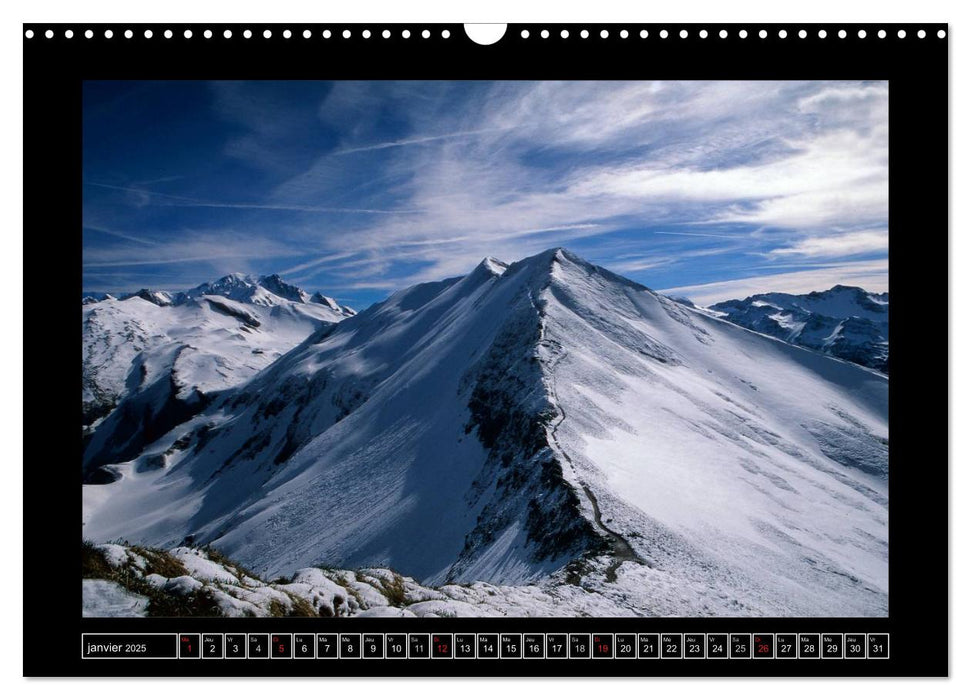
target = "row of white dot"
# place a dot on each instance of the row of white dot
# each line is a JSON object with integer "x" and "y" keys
{"x": 425, "y": 34}
{"x": 723, "y": 34}
{"x": 228, "y": 34}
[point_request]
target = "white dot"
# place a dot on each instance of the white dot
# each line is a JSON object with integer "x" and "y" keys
{"x": 803, "y": 34}
{"x": 287, "y": 33}
{"x": 623, "y": 34}
{"x": 604, "y": 33}
{"x": 544, "y": 34}
{"x": 68, "y": 34}
{"x": 49, "y": 34}
{"x": 742, "y": 33}
{"x": 446, "y": 34}
{"x": 861, "y": 33}
{"x": 386, "y": 33}
{"x": 267, "y": 33}
{"x": 187, "y": 33}
{"x": 306, "y": 33}
{"x": 822, "y": 33}
{"x": 882, "y": 34}
{"x": 326, "y": 34}
{"x": 88, "y": 34}
{"x": 584, "y": 33}
{"x": 723, "y": 34}
{"x": 643, "y": 34}
{"x": 763, "y": 34}
{"x": 683, "y": 34}
{"x": 167, "y": 33}
{"x": 228, "y": 34}
{"x": 703, "y": 33}
{"x": 425, "y": 34}
{"x": 524, "y": 34}
{"x": 207, "y": 34}
{"x": 129, "y": 33}
{"x": 247, "y": 33}
{"x": 901, "y": 34}
{"x": 405, "y": 34}
{"x": 663, "y": 34}
{"x": 921, "y": 34}
{"x": 366, "y": 33}
{"x": 941, "y": 33}
{"x": 29, "y": 34}
{"x": 148, "y": 33}
{"x": 842, "y": 34}
{"x": 783, "y": 33}
{"x": 564, "y": 34}
{"x": 346, "y": 34}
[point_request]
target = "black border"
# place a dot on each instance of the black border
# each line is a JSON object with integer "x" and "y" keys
{"x": 918, "y": 73}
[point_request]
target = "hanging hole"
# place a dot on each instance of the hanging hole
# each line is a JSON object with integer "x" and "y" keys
{"x": 484, "y": 34}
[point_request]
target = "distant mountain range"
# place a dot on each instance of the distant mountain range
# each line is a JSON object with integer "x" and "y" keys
{"x": 845, "y": 322}
{"x": 152, "y": 359}
{"x": 545, "y": 423}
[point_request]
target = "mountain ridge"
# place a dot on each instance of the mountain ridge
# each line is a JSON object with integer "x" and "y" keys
{"x": 526, "y": 419}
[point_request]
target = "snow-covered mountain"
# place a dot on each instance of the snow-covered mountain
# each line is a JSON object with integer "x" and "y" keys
{"x": 846, "y": 322}
{"x": 153, "y": 358}
{"x": 541, "y": 423}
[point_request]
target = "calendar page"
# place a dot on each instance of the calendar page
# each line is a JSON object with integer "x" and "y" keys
{"x": 532, "y": 342}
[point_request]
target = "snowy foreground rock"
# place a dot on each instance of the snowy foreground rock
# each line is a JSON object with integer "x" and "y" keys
{"x": 202, "y": 582}
{"x": 578, "y": 441}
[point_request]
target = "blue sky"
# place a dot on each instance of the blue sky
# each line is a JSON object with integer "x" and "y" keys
{"x": 712, "y": 190}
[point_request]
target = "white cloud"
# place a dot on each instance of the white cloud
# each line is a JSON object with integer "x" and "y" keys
{"x": 226, "y": 251}
{"x": 837, "y": 245}
{"x": 810, "y": 157}
{"x": 510, "y": 168}
{"x": 147, "y": 197}
{"x": 414, "y": 141}
{"x": 827, "y": 179}
{"x": 872, "y": 276}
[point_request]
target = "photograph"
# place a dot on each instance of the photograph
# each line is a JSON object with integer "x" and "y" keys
{"x": 476, "y": 348}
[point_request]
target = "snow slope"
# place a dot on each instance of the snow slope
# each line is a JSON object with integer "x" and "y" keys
{"x": 542, "y": 421}
{"x": 153, "y": 358}
{"x": 109, "y": 599}
{"x": 846, "y": 322}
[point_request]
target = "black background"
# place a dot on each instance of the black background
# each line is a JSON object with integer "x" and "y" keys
{"x": 918, "y": 73}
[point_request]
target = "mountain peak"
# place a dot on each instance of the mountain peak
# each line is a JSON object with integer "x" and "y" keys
{"x": 265, "y": 290}
{"x": 156, "y": 297}
{"x": 275, "y": 284}
{"x": 331, "y": 303}
{"x": 559, "y": 254}
{"x": 493, "y": 265}
{"x": 237, "y": 278}
{"x": 545, "y": 265}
